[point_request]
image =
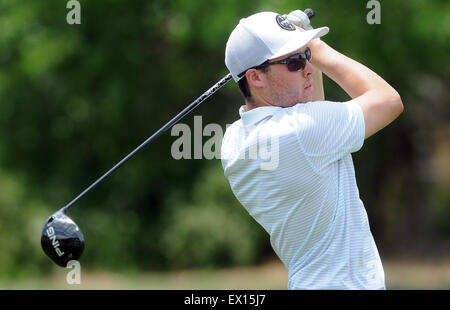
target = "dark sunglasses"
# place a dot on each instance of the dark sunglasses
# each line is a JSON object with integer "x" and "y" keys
{"x": 294, "y": 62}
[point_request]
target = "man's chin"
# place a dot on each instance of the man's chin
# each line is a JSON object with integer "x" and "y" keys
{"x": 305, "y": 100}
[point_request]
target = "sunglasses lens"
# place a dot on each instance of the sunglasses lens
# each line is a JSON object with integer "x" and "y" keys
{"x": 308, "y": 54}
{"x": 296, "y": 64}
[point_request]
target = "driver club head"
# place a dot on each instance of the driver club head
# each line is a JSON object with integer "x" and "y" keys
{"x": 62, "y": 239}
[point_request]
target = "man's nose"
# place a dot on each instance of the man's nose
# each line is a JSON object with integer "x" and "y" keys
{"x": 309, "y": 69}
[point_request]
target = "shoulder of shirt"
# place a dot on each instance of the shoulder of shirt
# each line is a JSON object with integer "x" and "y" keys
{"x": 230, "y": 130}
{"x": 231, "y": 127}
{"x": 311, "y": 105}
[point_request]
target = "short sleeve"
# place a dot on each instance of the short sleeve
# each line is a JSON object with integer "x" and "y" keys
{"x": 328, "y": 131}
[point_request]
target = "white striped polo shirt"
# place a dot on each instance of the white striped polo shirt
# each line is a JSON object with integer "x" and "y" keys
{"x": 292, "y": 170}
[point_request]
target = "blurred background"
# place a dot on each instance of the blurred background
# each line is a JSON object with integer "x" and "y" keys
{"x": 76, "y": 99}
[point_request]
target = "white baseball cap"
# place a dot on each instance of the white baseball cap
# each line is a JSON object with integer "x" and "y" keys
{"x": 261, "y": 37}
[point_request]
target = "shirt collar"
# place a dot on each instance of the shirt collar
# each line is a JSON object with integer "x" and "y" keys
{"x": 256, "y": 114}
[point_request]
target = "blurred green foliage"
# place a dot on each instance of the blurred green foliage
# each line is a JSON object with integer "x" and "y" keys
{"x": 75, "y": 99}
{"x": 209, "y": 229}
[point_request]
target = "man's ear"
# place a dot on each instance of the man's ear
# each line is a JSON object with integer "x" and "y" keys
{"x": 255, "y": 78}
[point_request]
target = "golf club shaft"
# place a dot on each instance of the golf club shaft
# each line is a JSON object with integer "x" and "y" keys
{"x": 183, "y": 113}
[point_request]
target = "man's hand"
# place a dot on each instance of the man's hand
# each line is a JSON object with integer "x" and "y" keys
{"x": 300, "y": 19}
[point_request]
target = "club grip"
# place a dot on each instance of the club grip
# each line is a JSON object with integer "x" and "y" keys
{"x": 310, "y": 13}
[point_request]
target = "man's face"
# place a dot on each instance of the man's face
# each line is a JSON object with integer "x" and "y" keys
{"x": 285, "y": 88}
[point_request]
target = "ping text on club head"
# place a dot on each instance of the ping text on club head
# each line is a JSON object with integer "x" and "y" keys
{"x": 52, "y": 235}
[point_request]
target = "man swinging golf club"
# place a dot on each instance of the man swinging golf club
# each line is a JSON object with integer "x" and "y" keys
{"x": 309, "y": 202}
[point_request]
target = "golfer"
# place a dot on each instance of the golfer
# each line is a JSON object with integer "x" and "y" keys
{"x": 307, "y": 199}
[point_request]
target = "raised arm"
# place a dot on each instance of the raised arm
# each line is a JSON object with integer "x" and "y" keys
{"x": 380, "y": 103}
{"x": 318, "y": 93}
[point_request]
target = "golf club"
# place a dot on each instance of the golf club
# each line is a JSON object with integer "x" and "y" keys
{"x": 61, "y": 238}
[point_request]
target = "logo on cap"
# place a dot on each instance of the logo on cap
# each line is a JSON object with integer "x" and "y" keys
{"x": 284, "y": 23}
